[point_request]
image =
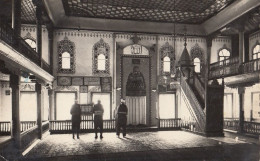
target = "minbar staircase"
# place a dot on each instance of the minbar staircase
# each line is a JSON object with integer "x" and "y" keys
{"x": 209, "y": 118}
{"x": 194, "y": 93}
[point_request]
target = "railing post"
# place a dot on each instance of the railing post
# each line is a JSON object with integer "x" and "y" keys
{"x": 38, "y": 88}
{"x": 16, "y": 20}
{"x": 39, "y": 5}
{"x": 14, "y": 83}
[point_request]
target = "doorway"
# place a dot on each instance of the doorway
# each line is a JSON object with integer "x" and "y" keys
{"x": 167, "y": 106}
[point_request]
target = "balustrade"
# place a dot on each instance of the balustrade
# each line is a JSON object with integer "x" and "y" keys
{"x": 20, "y": 45}
{"x": 169, "y": 123}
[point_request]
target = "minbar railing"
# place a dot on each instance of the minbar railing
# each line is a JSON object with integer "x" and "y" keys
{"x": 195, "y": 107}
{"x": 170, "y": 123}
{"x": 199, "y": 85}
{"x": 231, "y": 67}
{"x": 19, "y": 44}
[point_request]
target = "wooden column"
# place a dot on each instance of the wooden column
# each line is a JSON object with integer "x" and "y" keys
{"x": 51, "y": 104}
{"x": 39, "y": 5}
{"x": 16, "y": 20}
{"x": 207, "y": 68}
{"x": 241, "y": 47}
{"x": 16, "y": 134}
{"x": 50, "y": 36}
{"x": 38, "y": 88}
{"x": 241, "y": 92}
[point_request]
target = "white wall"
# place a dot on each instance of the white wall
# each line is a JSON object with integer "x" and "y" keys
{"x": 31, "y": 29}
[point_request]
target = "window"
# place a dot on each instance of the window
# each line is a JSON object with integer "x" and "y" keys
{"x": 229, "y": 112}
{"x": 196, "y": 62}
{"x": 223, "y": 54}
{"x": 166, "y": 64}
{"x": 65, "y": 62}
{"x": 256, "y": 52}
{"x": 64, "y": 102}
{"x": 100, "y": 65}
{"x": 32, "y": 43}
{"x": 167, "y": 106}
{"x": 198, "y": 57}
{"x": 167, "y": 57}
{"x": 66, "y": 56}
{"x": 101, "y": 62}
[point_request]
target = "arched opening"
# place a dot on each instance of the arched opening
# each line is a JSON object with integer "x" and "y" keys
{"x": 32, "y": 43}
{"x": 166, "y": 64}
{"x": 65, "y": 60}
{"x": 197, "y": 65}
{"x": 101, "y": 62}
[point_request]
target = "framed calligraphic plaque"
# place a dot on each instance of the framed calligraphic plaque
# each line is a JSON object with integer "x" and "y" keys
{"x": 86, "y": 109}
{"x": 92, "y": 81}
{"x": 77, "y": 81}
{"x": 106, "y": 84}
{"x": 64, "y": 81}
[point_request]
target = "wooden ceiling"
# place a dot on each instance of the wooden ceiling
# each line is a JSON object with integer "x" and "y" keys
{"x": 181, "y": 11}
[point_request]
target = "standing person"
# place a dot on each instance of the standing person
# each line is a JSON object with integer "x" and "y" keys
{"x": 98, "y": 111}
{"x": 75, "y": 112}
{"x": 121, "y": 118}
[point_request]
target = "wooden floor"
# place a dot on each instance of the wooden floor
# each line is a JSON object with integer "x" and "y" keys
{"x": 150, "y": 146}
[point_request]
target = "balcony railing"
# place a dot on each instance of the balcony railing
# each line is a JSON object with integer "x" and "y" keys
{"x": 171, "y": 123}
{"x": 64, "y": 126}
{"x": 19, "y": 44}
{"x": 5, "y": 126}
{"x": 231, "y": 67}
{"x": 225, "y": 68}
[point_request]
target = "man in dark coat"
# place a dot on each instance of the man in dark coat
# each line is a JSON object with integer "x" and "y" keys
{"x": 121, "y": 118}
{"x": 98, "y": 111}
{"x": 75, "y": 112}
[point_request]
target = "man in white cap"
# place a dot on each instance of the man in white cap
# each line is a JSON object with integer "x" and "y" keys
{"x": 121, "y": 118}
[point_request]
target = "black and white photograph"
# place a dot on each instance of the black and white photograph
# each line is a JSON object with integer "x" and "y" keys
{"x": 129, "y": 80}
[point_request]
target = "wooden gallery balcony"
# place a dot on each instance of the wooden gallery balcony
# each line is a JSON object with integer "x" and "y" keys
{"x": 15, "y": 50}
{"x": 234, "y": 73}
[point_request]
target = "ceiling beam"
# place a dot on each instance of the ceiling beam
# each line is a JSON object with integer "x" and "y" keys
{"x": 113, "y": 25}
{"x": 229, "y": 14}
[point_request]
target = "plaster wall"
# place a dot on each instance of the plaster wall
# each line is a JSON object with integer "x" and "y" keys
{"x": 254, "y": 39}
{"x": 218, "y": 44}
{"x": 5, "y": 102}
{"x": 29, "y": 31}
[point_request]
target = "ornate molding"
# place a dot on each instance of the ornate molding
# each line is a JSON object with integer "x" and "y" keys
{"x": 29, "y": 36}
{"x": 75, "y": 33}
{"x": 65, "y": 88}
